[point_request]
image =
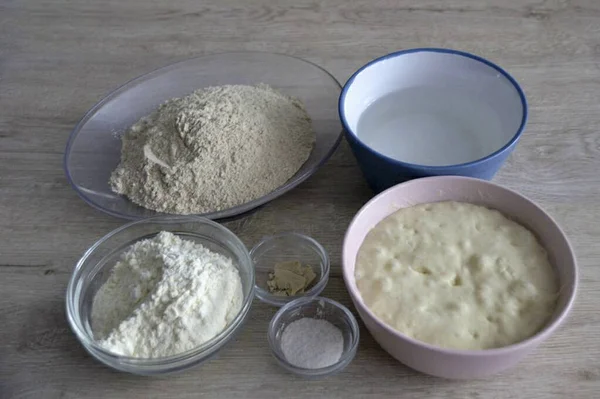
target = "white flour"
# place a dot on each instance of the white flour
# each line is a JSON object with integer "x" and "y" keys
{"x": 214, "y": 149}
{"x": 165, "y": 296}
{"x": 312, "y": 343}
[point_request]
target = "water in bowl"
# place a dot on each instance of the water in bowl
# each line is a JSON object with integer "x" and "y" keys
{"x": 433, "y": 126}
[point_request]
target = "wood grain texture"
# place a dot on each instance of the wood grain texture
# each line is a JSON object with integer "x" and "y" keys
{"x": 58, "y": 57}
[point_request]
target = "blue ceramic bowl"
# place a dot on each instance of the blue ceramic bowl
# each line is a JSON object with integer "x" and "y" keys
{"x": 429, "y": 112}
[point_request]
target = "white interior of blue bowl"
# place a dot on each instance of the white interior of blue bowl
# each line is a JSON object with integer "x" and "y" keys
{"x": 436, "y": 107}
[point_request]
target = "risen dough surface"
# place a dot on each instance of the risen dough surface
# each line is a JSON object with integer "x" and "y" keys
{"x": 456, "y": 275}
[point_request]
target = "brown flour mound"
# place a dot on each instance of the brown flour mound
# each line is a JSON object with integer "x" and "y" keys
{"x": 214, "y": 149}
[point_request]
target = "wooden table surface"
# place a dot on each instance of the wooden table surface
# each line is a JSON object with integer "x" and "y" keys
{"x": 57, "y": 58}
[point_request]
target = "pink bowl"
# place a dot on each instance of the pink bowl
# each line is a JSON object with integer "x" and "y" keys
{"x": 449, "y": 363}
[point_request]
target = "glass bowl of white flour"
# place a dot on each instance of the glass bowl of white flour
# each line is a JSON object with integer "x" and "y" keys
{"x": 161, "y": 294}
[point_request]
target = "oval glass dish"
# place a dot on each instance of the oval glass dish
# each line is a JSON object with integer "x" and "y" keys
{"x": 94, "y": 147}
{"x": 94, "y": 268}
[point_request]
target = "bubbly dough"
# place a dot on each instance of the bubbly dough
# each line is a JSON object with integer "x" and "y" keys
{"x": 456, "y": 275}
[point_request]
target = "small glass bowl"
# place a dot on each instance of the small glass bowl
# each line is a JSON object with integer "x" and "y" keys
{"x": 287, "y": 247}
{"x": 317, "y": 308}
{"x": 94, "y": 268}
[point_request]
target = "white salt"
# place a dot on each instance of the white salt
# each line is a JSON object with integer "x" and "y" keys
{"x": 312, "y": 343}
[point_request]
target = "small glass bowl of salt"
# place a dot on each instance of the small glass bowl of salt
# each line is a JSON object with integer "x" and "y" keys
{"x": 313, "y": 337}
